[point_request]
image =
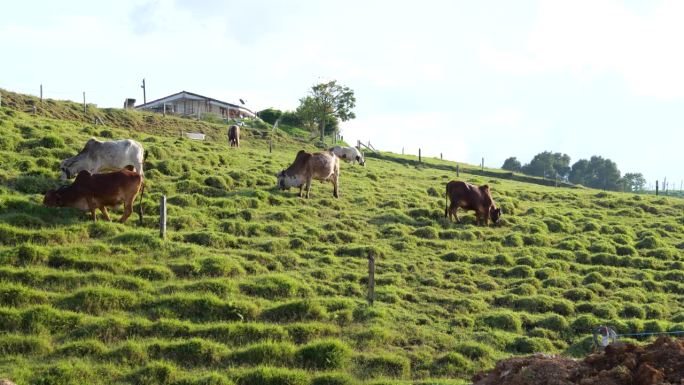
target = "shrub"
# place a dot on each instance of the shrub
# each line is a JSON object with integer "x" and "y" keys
{"x": 154, "y": 273}
{"x": 333, "y": 379}
{"x": 513, "y": 240}
{"x": 273, "y": 286}
{"x": 98, "y": 300}
{"x": 529, "y": 345}
{"x": 508, "y": 321}
{"x": 302, "y": 310}
{"x": 156, "y": 373}
{"x": 265, "y": 353}
{"x": 324, "y": 355}
{"x": 382, "y": 365}
{"x": 426, "y": 232}
{"x": 451, "y": 364}
{"x": 193, "y": 352}
{"x": 11, "y": 344}
{"x": 273, "y": 376}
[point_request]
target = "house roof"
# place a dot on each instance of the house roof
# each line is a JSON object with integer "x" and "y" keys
{"x": 191, "y": 95}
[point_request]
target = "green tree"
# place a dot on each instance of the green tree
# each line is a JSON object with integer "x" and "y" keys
{"x": 597, "y": 172}
{"x": 634, "y": 181}
{"x": 270, "y": 115}
{"x": 548, "y": 164}
{"x": 512, "y": 164}
{"x": 326, "y": 101}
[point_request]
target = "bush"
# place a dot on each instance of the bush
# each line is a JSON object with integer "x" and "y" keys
{"x": 324, "y": 355}
{"x": 273, "y": 376}
{"x": 451, "y": 365}
{"x": 303, "y": 310}
{"x": 508, "y": 321}
{"x": 529, "y": 345}
{"x": 98, "y": 300}
{"x": 266, "y": 353}
{"x": 333, "y": 379}
{"x": 382, "y": 365}
{"x": 189, "y": 353}
{"x": 11, "y": 344}
{"x": 513, "y": 240}
{"x": 273, "y": 286}
{"x": 157, "y": 373}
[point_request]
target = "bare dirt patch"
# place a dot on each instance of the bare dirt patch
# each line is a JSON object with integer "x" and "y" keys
{"x": 660, "y": 363}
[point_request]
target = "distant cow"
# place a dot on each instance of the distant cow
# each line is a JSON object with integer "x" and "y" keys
{"x": 471, "y": 197}
{"x": 99, "y": 191}
{"x": 349, "y": 154}
{"x": 97, "y": 155}
{"x": 321, "y": 166}
{"x": 234, "y": 135}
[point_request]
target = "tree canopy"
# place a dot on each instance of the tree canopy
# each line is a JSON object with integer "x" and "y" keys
{"x": 596, "y": 172}
{"x": 548, "y": 164}
{"x": 326, "y": 102}
{"x": 512, "y": 164}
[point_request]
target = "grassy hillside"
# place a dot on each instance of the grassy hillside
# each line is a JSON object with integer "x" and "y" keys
{"x": 258, "y": 286}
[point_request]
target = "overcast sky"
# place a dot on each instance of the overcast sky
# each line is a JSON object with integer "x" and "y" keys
{"x": 469, "y": 79}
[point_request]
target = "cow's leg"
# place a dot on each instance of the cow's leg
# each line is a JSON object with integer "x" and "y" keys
{"x": 105, "y": 214}
{"x": 455, "y": 213}
{"x": 301, "y": 190}
{"x": 308, "y": 187}
{"x": 91, "y": 207}
{"x": 336, "y": 191}
{"x": 128, "y": 209}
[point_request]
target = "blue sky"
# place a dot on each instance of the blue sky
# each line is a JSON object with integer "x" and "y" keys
{"x": 468, "y": 79}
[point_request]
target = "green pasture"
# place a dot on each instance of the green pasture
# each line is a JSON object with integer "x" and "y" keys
{"x": 258, "y": 286}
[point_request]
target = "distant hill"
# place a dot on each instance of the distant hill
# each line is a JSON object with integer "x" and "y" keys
{"x": 258, "y": 286}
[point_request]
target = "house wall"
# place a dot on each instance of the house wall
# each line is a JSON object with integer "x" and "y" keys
{"x": 193, "y": 107}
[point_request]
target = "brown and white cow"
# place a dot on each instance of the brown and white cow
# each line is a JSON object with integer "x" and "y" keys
{"x": 99, "y": 191}
{"x": 470, "y": 197}
{"x": 234, "y": 135}
{"x": 323, "y": 166}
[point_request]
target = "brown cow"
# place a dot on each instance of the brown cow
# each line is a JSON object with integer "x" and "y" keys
{"x": 321, "y": 166}
{"x": 99, "y": 191}
{"x": 234, "y": 135}
{"x": 471, "y": 197}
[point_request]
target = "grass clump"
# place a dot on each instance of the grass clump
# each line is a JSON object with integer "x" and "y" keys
{"x": 324, "y": 355}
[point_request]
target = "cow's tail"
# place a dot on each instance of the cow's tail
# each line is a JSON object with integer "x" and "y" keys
{"x": 140, "y": 206}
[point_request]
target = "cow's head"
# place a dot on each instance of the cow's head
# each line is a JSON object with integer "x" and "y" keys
{"x": 495, "y": 214}
{"x": 53, "y": 198}
{"x": 72, "y": 166}
{"x": 285, "y": 182}
{"x": 359, "y": 158}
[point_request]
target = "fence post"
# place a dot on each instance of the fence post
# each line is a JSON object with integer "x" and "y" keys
{"x": 482, "y": 166}
{"x": 402, "y": 151}
{"x": 84, "y": 103}
{"x": 41, "y": 93}
{"x": 162, "y": 217}
{"x": 0, "y": 100}
{"x": 419, "y": 157}
{"x": 371, "y": 279}
{"x": 34, "y": 109}
{"x": 458, "y": 170}
{"x": 656, "y": 188}
{"x": 440, "y": 156}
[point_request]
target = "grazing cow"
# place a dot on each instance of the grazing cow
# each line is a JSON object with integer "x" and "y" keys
{"x": 471, "y": 197}
{"x": 97, "y": 155}
{"x": 99, "y": 191}
{"x": 349, "y": 154}
{"x": 322, "y": 166}
{"x": 234, "y": 135}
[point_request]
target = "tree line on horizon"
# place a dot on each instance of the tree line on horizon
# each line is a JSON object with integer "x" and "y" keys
{"x": 596, "y": 172}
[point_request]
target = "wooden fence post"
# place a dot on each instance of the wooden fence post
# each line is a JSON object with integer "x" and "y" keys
{"x": 419, "y": 157}
{"x": 371, "y": 279}
{"x": 656, "y": 188}
{"x": 482, "y": 167}
{"x": 162, "y": 217}
{"x": 84, "y": 103}
{"x": 41, "y": 93}
{"x": 458, "y": 170}
{"x": 34, "y": 109}
{"x": 440, "y": 156}
{"x": 402, "y": 151}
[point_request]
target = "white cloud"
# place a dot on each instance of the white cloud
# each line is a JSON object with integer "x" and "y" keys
{"x": 591, "y": 38}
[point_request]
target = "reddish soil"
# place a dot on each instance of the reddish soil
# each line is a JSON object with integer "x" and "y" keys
{"x": 660, "y": 363}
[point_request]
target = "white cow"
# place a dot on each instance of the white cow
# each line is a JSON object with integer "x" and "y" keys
{"x": 97, "y": 155}
{"x": 349, "y": 154}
